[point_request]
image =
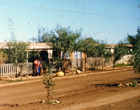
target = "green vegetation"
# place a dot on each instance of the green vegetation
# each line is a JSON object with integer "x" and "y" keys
{"x": 87, "y": 46}
{"x": 134, "y": 84}
{"x": 18, "y": 80}
{"x": 135, "y": 41}
{"x": 18, "y": 54}
{"x": 49, "y": 84}
{"x": 120, "y": 65}
{"x": 51, "y": 102}
{"x": 64, "y": 39}
{"x": 119, "y": 51}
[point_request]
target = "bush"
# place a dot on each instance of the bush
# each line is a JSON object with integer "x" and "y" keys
{"x": 49, "y": 83}
{"x": 134, "y": 84}
{"x": 120, "y": 65}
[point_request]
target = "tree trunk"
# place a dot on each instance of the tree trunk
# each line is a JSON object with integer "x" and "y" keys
{"x": 113, "y": 64}
{"x": 102, "y": 63}
{"x": 21, "y": 75}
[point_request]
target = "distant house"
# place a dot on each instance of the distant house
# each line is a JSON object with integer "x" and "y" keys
{"x": 43, "y": 49}
{"x": 111, "y": 47}
{"x": 46, "y": 50}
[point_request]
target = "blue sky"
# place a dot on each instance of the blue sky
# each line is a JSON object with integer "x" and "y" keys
{"x": 109, "y": 20}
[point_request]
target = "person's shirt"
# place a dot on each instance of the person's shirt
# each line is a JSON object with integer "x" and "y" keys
{"x": 40, "y": 62}
{"x": 36, "y": 63}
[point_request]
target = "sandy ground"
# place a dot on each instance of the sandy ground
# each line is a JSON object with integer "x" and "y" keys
{"x": 90, "y": 92}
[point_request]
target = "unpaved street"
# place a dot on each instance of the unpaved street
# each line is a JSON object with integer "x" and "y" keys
{"x": 68, "y": 87}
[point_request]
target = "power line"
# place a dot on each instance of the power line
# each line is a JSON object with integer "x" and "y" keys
{"x": 70, "y": 11}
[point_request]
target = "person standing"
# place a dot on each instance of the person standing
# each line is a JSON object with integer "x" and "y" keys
{"x": 36, "y": 66}
{"x": 40, "y": 66}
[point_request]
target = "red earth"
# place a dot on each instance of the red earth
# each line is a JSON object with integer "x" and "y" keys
{"x": 89, "y": 91}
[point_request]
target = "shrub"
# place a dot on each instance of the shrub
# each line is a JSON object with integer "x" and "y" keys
{"x": 120, "y": 65}
{"x": 134, "y": 84}
{"x": 49, "y": 84}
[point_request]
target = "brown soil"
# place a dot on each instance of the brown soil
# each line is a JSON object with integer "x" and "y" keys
{"x": 76, "y": 93}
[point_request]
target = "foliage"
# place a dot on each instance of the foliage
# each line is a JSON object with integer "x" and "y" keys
{"x": 49, "y": 83}
{"x": 120, "y": 65}
{"x": 106, "y": 55}
{"x": 87, "y": 46}
{"x": 18, "y": 54}
{"x": 92, "y": 48}
{"x": 119, "y": 51}
{"x": 32, "y": 55}
{"x": 43, "y": 35}
{"x": 134, "y": 84}
{"x": 100, "y": 49}
{"x": 51, "y": 102}
{"x": 134, "y": 40}
{"x": 137, "y": 59}
{"x": 3, "y": 57}
{"x": 58, "y": 62}
{"x": 64, "y": 39}
{"x": 15, "y": 81}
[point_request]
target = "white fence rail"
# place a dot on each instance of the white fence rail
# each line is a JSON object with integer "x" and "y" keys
{"x": 10, "y": 70}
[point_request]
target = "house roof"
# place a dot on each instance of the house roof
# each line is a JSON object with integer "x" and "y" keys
{"x": 3, "y": 45}
{"x": 32, "y": 46}
{"x": 113, "y": 45}
{"x": 40, "y": 46}
{"x": 47, "y": 46}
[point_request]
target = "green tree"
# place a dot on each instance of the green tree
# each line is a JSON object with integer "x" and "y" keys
{"x": 32, "y": 55}
{"x": 87, "y": 46}
{"x": 49, "y": 83}
{"x": 64, "y": 39}
{"x": 43, "y": 35}
{"x": 134, "y": 40}
{"x": 137, "y": 58}
{"x": 18, "y": 54}
{"x": 119, "y": 51}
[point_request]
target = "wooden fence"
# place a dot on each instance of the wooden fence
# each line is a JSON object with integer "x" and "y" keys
{"x": 91, "y": 62}
{"x": 10, "y": 70}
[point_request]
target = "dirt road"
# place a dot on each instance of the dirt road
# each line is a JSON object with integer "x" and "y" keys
{"x": 72, "y": 90}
